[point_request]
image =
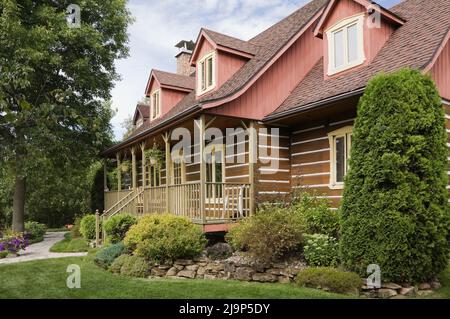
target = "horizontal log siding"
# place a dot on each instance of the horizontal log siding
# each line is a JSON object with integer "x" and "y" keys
{"x": 310, "y": 163}
{"x": 273, "y": 179}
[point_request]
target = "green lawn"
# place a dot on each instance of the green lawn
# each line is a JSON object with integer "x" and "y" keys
{"x": 70, "y": 245}
{"x": 47, "y": 279}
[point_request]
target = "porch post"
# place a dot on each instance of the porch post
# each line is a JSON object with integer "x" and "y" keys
{"x": 119, "y": 172}
{"x": 201, "y": 127}
{"x": 166, "y": 138}
{"x": 253, "y": 157}
{"x": 143, "y": 163}
{"x": 105, "y": 175}
{"x": 133, "y": 165}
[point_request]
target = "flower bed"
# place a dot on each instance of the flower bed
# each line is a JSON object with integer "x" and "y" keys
{"x": 11, "y": 245}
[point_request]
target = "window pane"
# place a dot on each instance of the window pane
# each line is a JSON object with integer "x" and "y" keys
{"x": 339, "y": 49}
{"x": 210, "y": 72}
{"x": 340, "y": 159}
{"x": 352, "y": 43}
{"x": 203, "y": 75}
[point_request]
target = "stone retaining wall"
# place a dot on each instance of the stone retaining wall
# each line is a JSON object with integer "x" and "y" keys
{"x": 231, "y": 268}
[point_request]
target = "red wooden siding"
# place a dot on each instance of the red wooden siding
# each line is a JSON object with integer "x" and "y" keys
{"x": 274, "y": 86}
{"x": 441, "y": 72}
{"x": 170, "y": 98}
{"x": 374, "y": 38}
{"x": 227, "y": 65}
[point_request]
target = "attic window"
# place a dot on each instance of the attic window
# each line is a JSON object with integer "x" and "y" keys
{"x": 345, "y": 44}
{"x": 156, "y": 104}
{"x": 206, "y": 73}
{"x": 139, "y": 122}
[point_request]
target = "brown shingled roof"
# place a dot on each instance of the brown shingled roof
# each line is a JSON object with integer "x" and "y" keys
{"x": 176, "y": 80}
{"x": 412, "y": 45}
{"x": 268, "y": 44}
{"x": 231, "y": 42}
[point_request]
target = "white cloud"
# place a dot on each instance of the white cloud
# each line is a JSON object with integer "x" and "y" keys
{"x": 161, "y": 24}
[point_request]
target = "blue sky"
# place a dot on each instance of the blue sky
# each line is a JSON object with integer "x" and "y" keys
{"x": 161, "y": 24}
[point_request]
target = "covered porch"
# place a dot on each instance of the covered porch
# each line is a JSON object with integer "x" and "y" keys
{"x": 212, "y": 190}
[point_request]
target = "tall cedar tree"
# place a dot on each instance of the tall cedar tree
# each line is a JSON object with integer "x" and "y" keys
{"x": 395, "y": 211}
{"x": 54, "y": 81}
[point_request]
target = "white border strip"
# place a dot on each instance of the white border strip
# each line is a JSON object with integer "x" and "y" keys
{"x": 311, "y": 175}
{"x": 309, "y": 141}
{"x": 237, "y": 177}
{"x": 314, "y": 163}
{"x": 445, "y": 102}
{"x": 236, "y": 166}
{"x": 312, "y": 186}
{"x": 330, "y": 197}
{"x": 342, "y": 122}
{"x": 193, "y": 173}
{"x": 264, "y": 158}
{"x": 274, "y": 170}
{"x": 272, "y": 135}
{"x": 309, "y": 129}
{"x": 273, "y": 193}
{"x": 274, "y": 147}
{"x": 273, "y": 181}
{"x": 311, "y": 152}
{"x": 236, "y": 155}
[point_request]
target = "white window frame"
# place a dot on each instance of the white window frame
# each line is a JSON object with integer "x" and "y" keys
{"x": 343, "y": 25}
{"x": 347, "y": 133}
{"x": 203, "y": 60}
{"x": 212, "y": 150}
{"x": 154, "y": 116}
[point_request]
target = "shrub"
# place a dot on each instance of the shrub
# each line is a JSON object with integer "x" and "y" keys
{"x": 87, "y": 227}
{"x": 330, "y": 279}
{"x": 117, "y": 264}
{"x": 270, "y": 234}
{"x": 3, "y": 254}
{"x": 117, "y": 226}
{"x": 106, "y": 256}
{"x": 13, "y": 243}
{"x": 318, "y": 217}
{"x": 35, "y": 231}
{"x": 75, "y": 230}
{"x": 134, "y": 266}
{"x": 163, "y": 238}
{"x": 321, "y": 250}
{"x": 219, "y": 251}
{"x": 395, "y": 211}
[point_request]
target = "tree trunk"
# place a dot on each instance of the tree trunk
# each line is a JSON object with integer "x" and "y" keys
{"x": 19, "y": 205}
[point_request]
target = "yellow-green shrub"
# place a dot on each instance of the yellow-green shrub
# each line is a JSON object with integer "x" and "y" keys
{"x": 330, "y": 279}
{"x": 163, "y": 238}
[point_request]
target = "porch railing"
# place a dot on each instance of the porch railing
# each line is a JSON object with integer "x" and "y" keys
{"x": 224, "y": 202}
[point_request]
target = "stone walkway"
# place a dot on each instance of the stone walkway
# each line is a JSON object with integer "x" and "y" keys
{"x": 41, "y": 250}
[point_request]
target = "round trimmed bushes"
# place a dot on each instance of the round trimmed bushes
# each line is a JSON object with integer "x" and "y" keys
{"x": 106, "y": 256}
{"x": 161, "y": 238}
{"x": 87, "y": 227}
{"x": 117, "y": 226}
{"x": 35, "y": 231}
{"x": 270, "y": 234}
{"x": 395, "y": 211}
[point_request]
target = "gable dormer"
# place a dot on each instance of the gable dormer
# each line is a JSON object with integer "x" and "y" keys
{"x": 354, "y": 31}
{"x": 165, "y": 90}
{"x": 216, "y": 58}
{"x": 141, "y": 115}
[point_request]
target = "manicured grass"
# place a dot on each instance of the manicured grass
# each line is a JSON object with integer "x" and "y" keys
{"x": 47, "y": 279}
{"x": 70, "y": 245}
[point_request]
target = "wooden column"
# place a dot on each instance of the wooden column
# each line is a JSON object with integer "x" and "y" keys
{"x": 253, "y": 158}
{"x": 144, "y": 160}
{"x": 133, "y": 168}
{"x": 119, "y": 172}
{"x": 166, "y": 138}
{"x": 105, "y": 175}
{"x": 201, "y": 128}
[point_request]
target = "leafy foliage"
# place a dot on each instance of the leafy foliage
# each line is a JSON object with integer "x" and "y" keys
{"x": 106, "y": 256}
{"x": 317, "y": 215}
{"x": 35, "y": 231}
{"x": 321, "y": 250}
{"x": 163, "y": 238}
{"x": 134, "y": 266}
{"x": 55, "y": 82}
{"x": 270, "y": 234}
{"x": 117, "y": 264}
{"x": 75, "y": 231}
{"x": 87, "y": 227}
{"x": 395, "y": 211}
{"x": 330, "y": 279}
{"x": 117, "y": 226}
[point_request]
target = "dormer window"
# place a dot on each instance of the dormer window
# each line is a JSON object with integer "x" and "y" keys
{"x": 156, "y": 104}
{"x": 346, "y": 44}
{"x": 139, "y": 122}
{"x": 206, "y": 73}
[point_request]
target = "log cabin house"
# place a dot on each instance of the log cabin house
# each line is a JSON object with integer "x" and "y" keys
{"x": 290, "y": 95}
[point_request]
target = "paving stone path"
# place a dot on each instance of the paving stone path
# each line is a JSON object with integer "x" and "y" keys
{"x": 41, "y": 250}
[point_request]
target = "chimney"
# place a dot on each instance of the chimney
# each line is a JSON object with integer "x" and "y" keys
{"x": 184, "y": 56}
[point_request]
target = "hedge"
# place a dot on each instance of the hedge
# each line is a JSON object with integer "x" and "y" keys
{"x": 395, "y": 211}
